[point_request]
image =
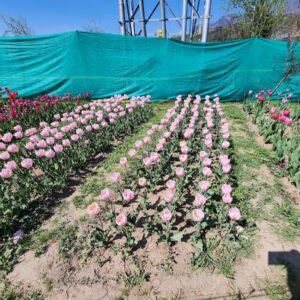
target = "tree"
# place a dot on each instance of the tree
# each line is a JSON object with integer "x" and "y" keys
{"x": 16, "y": 26}
{"x": 93, "y": 27}
{"x": 257, "y": 17}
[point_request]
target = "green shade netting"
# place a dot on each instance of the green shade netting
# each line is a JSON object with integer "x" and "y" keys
{"x": 106, "y": 64}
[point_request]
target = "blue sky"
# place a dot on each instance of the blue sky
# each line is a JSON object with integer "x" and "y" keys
{"x": 55, "y": 16}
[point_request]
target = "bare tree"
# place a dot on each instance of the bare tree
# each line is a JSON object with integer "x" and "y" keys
{"x": 16, "y": 26}
{"x": 93, "y": 27}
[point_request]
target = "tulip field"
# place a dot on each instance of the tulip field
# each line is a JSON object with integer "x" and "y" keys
{"x": 186, "y": 203}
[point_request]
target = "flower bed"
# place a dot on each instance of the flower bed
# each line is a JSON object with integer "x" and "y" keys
{"x": 39, "y": 160}
{"x": 174, "y": 184}
{"x": 278, "y": 123}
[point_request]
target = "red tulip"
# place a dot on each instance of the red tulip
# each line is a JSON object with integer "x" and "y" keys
{"x": 275, "y": 116}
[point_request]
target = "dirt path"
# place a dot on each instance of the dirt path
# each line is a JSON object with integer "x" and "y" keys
{"x": 102, "y": 277}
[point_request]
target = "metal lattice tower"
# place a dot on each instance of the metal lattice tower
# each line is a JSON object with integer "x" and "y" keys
{"x": 134, "y": 19}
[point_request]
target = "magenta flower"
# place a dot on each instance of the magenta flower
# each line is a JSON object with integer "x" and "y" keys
{"x": 18, "y": 135}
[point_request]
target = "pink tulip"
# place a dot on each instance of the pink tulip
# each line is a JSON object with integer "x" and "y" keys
{"x": 50, "y": 153}
{"x": 93, "y": 209}
{"x": 185, "y": 150}
{"x": 18, "y": 135}
{"x": 166, "y": 215}
{"x": 132, "y": 153}
{"x": 273, "y": 110}
{"x": 198, "y": 215}
{"x": 58, "y": 148}
{"x": 234, "y": 213}
{"x": 203, "y": 154}
{"x": 40, "y": 153}
{"x": 6, "y": 173}
{"x": 154, "y": 156}
{"x": 13, "y": 148}
{"x": 116, "y": 177}
{"x": 183, "y": 158}
{"x": 208, "y": 143}
{"x": 147, "y": 140}
{"x": 288, "y": 121}
{"x": 138, "y": 144}
{"x": 169, "y": 195}
{"x": 128, "y": 195}
{"x": 200, "y": 200}
{"x": 4, "y": 155}
{"x": 121, "y": 219}
{"x": 226, "y": 168}
{"x": 206, "y": 162}
{"x": 123, "y": 161}
{"x": 50, "y": 141}
{"x": 227, "y": 198}
{"x": 147, "y": 162}
{"x": 207, "y": 172}
{"x": 59, "y": 135}
{"x": 18, "y": 128}
{"x": 66, "y": 143}
{"x": 204, "y": 185}
{"x": 106, "y": 195}
{"x": 226, "y": 188}
{"x": 74, "y": 137}
{"x": 42, "y": 144}
{"x": 182, "y": 144}
{"x": 142, "y": 182}
{"x": 2, "y": 146}
{"x": 27, "y": 163}
{"x": 11, "y": 165}
{"x": 171, "y": 184}
{"x": 179, "y": 172}
{"x": 7, "y": 137}
{"x": 225, "y": 145}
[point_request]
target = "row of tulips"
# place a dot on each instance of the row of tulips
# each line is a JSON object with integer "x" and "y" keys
{"x": 26, "y": 112}
{"x": 154, "y": 189}
{"x": 38, "y": 160}
{"x": 279, "y": 124}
